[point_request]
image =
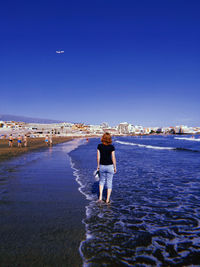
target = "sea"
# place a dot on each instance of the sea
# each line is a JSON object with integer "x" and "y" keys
{"x": 154, "y": 215}
{"x": 49, "y": 214}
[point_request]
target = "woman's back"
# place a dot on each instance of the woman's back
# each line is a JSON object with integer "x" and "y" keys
{"x": 105, "y": 154}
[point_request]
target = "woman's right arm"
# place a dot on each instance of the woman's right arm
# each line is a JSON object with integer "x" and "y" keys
{"x": 114, "y": 161}
{"x": 98, "y": 159}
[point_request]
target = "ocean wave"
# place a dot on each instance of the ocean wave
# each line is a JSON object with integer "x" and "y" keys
{"x": 188, "y": 139}
{"x": 158, "y": 147}
{"x": 146, "y": 223}
{"x": 146, "y": 146}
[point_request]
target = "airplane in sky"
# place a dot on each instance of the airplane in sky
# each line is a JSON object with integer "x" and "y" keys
{"x": 60, "y": 52}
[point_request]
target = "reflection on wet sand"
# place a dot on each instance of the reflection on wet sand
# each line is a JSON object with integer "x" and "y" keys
{"x": 41, "y": 210}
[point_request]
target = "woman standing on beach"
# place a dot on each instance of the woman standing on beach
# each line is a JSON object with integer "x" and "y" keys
{"x": 19, "y": 141}
{"x": 25, "y": 140}
{"x": 10, "y": 140}
{"x": 47, "y": 140}
{"x": 106, "y": 164}
{"x": 50, "y": 140}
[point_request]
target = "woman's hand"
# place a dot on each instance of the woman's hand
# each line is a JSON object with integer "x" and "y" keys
{"x": 115, "y": 169}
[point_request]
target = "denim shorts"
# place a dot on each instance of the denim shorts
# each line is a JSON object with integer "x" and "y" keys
{"x": 106, "y": 175}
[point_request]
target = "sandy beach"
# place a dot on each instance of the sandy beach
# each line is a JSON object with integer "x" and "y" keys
{"x": 41, "y": 208}
{"x": 7, "y": 152}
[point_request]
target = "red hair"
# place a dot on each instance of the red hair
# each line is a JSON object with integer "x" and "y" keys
{"x": 106, "y": 139}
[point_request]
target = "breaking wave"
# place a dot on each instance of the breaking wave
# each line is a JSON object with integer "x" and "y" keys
{"x": 188, "y": 139}
{"x": 146, "y": 146}
{"x": 157, "y": 147}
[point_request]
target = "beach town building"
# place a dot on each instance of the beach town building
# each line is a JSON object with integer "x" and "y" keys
{"x": 183, "y": 129}
{"x": 197, "y": 130}
{"x": 139, "y": 129}
{"x": 127, "y": 128}
{"x": 95, "y": 129}
{"x": 151, "y": 130}
{"x": 13, "y": 125}
{"x": 54, "y": 127}
{"x": 81, "y": 129}
{"x": 8, "y": 127}
{"x": 123, "y": 128}
{"x": 188, "y": 130}
{"x": 147, "y": 130}
{"x": 178, "y": 129}
{"x": 100, "y": 129}
{"x": 159, "y": 130}
{"x": 111, "y": 130}
{"x": 9, "y": 124}
{"x": 165, "y": 130}
{"x": 131, "y": 129}
{"x": 104, "y": 125}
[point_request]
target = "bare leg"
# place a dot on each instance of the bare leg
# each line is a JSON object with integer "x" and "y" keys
{"x": 100, "y": 192}
{"x": 108, "y": 195}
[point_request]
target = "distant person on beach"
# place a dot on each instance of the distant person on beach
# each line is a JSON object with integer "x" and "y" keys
{"x": 10, "y": 141}
{"x": 47, "y": 140}
{"x": 25, "y": 140}
{"x": 106, "y": 164}
{"x": 19, "y": 141}
{"x": 50, "y": 140}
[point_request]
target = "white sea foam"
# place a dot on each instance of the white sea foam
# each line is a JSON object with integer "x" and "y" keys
{"x": 123, "y": 227}
{"x": 146, "y": 146}
{"x": 76, "y": 174}
{"x": 73, "y": 144}
{"x": 188, "y": 139}
{"x": 88, "y": 235}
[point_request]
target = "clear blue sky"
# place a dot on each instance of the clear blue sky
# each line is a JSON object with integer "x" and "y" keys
{"x": 135, "y": 61}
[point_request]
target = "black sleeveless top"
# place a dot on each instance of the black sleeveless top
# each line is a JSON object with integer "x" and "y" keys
{"x": 105, "y": 154}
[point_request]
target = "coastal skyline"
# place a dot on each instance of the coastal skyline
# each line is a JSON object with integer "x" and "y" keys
{"x": 133, "y": 61}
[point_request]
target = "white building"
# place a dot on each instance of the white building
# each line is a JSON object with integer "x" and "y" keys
{"x": 123, "y": 128}
{"x": 95, "y": 129}
{"x": 139, "y": 129}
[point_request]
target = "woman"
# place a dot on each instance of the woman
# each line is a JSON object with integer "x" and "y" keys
{"x": 19, "y": 141}
{"x": 106, "y": 164}
{"x": 11, "y": 140}
{"x": 47, "y": 140}
{"x": 25, "y": 140}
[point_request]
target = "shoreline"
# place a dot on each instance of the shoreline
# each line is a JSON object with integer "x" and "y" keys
{"x": 45, "y": 226}
{"x": 7, "y": 152}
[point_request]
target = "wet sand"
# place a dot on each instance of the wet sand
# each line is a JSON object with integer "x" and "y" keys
{"x": 7, "y": 152}
{"x": 41, "y": 209}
